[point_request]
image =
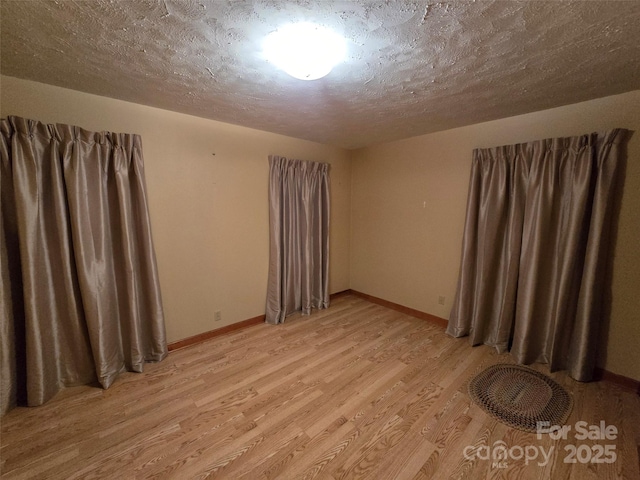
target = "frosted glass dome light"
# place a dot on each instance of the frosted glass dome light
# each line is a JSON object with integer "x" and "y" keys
{"x": 304, "y": 50}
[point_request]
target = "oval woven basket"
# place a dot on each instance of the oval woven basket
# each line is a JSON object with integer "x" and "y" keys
{"x": 520, "y": 396}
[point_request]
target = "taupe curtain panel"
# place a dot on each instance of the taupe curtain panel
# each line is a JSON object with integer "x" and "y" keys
{"x": 80, "y": 293}
{"x": 535, "y": 249}
{"x": 299, "y": 237}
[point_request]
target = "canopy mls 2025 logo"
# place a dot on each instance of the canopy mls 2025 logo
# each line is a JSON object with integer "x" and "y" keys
{"x": 592, "y": 451}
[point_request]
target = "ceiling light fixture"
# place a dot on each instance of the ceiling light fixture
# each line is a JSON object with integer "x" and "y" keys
{"x": 304, "y": 50}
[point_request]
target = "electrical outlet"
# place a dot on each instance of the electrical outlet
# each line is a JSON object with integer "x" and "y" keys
{"x": 441, "y": 299}
{"x": 217, "y": 316}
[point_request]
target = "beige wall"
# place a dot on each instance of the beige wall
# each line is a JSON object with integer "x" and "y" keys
{"x": 408, "y": 204}
{"x": 209, "y": 213}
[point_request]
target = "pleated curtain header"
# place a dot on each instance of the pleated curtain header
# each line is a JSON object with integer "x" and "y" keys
{"x": 560, "y": 144}
{"x": 68, "y": 133}
{"x": 285, "y": 164}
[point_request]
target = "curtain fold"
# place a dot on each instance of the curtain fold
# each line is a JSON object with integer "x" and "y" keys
{"x": 299, "y": 237}
{"x": 535, "y": 249}
{"x": 82, "y": 283}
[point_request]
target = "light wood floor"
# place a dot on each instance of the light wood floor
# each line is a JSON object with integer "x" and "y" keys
{"x": 355, "y": 391}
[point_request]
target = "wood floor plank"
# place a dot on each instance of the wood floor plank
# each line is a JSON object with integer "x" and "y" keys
{"x": 357, "y": 391}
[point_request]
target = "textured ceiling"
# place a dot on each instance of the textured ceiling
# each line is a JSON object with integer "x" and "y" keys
{"x": 412, "y": 67}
